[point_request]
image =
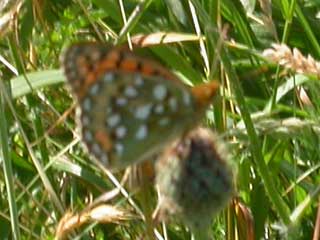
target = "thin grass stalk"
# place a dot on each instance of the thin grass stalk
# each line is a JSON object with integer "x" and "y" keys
{"x": 288, "y": 22}
{"x": 39, "y": 131}
{"x": 24, "y": 229}
{"x": 285, "y": 35}
{"x": 284, "y": 39}
{"x": 316, "y": 233}
{"x": 92, "y": 22}
{"x": 7, "y": 169}
{"x": 37, "y": 164}
{"x": 307, "y": 29}
{"x": 45, "y": 180}
{"x": 298, "y": 212}
{"x": 255, "y": 146}
{"x": 146, "y": 206}
{"x": 230, "y": 220}
{"x": 203, "y": 51}
{"x": 273, "y": 102}
{"x": 124, "y": 19}
{"x": 133, "y": 19}
{"x": 239, "y": 17}
{"x": 53, "y": 162}
{"x": 201, "y": 234}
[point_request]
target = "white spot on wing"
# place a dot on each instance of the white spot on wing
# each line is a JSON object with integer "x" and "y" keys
{"x": 164, "y": 121}
{"x": 108, "y": 78}
{"x": 121, "y": 101}
{"x": 138, "y": 81}
{"x": 159, "y": 109}
{"x": 143, "y": 112}
{"x": 186, "y": 98}
{"x": 104, "y": 159}
{"x": 173, "y": 104}
{"x": 121, "y": 131}
{"x": 86, "y": 104}
{"x": 94, "y": 89}
{"x": 159, "y": 92}
{"x": 113, "y": 120}
{"x": 142, "y": 132}
{"x": 119, "y": 148}
{"x": 85, "y": 120}
{"x": 96, "y": 149}
{"x": 130, "y": 91}
{"x": 87, "y": 136}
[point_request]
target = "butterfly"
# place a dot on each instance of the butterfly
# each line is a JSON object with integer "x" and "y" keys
{"x": 129, "y": 107}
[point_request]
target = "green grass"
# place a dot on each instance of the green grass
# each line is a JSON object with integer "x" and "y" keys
{"x": 272, "y": 132}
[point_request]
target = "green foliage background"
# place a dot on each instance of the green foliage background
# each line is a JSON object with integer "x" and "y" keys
{"x": 273, "y": 135}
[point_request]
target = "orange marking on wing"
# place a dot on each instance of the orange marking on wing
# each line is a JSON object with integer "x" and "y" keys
{"x": 91, "y": 78}
{"x": 86, "y": 83}
{"x": 150, "y": 67}
{"x": 106, "y": 65}
{"x": 168, "y": 75}
{"x": 205, "y": 92}
{"x": 103, "y": 138}
{"x": 113, "y": 56}
{"x": 109, "y": 63}
{"x": 147, "y": 69}
{"x": 129, "y": 64}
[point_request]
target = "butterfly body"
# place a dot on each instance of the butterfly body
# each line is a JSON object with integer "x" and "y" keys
{"x": 130, "y": 107}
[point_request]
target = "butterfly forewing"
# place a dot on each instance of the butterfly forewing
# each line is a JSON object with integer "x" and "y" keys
{"x": 130, "y": 107}
{"x": 129, "y": 117}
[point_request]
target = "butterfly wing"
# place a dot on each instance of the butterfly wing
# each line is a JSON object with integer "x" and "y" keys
{"x": 130, "y": 107}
